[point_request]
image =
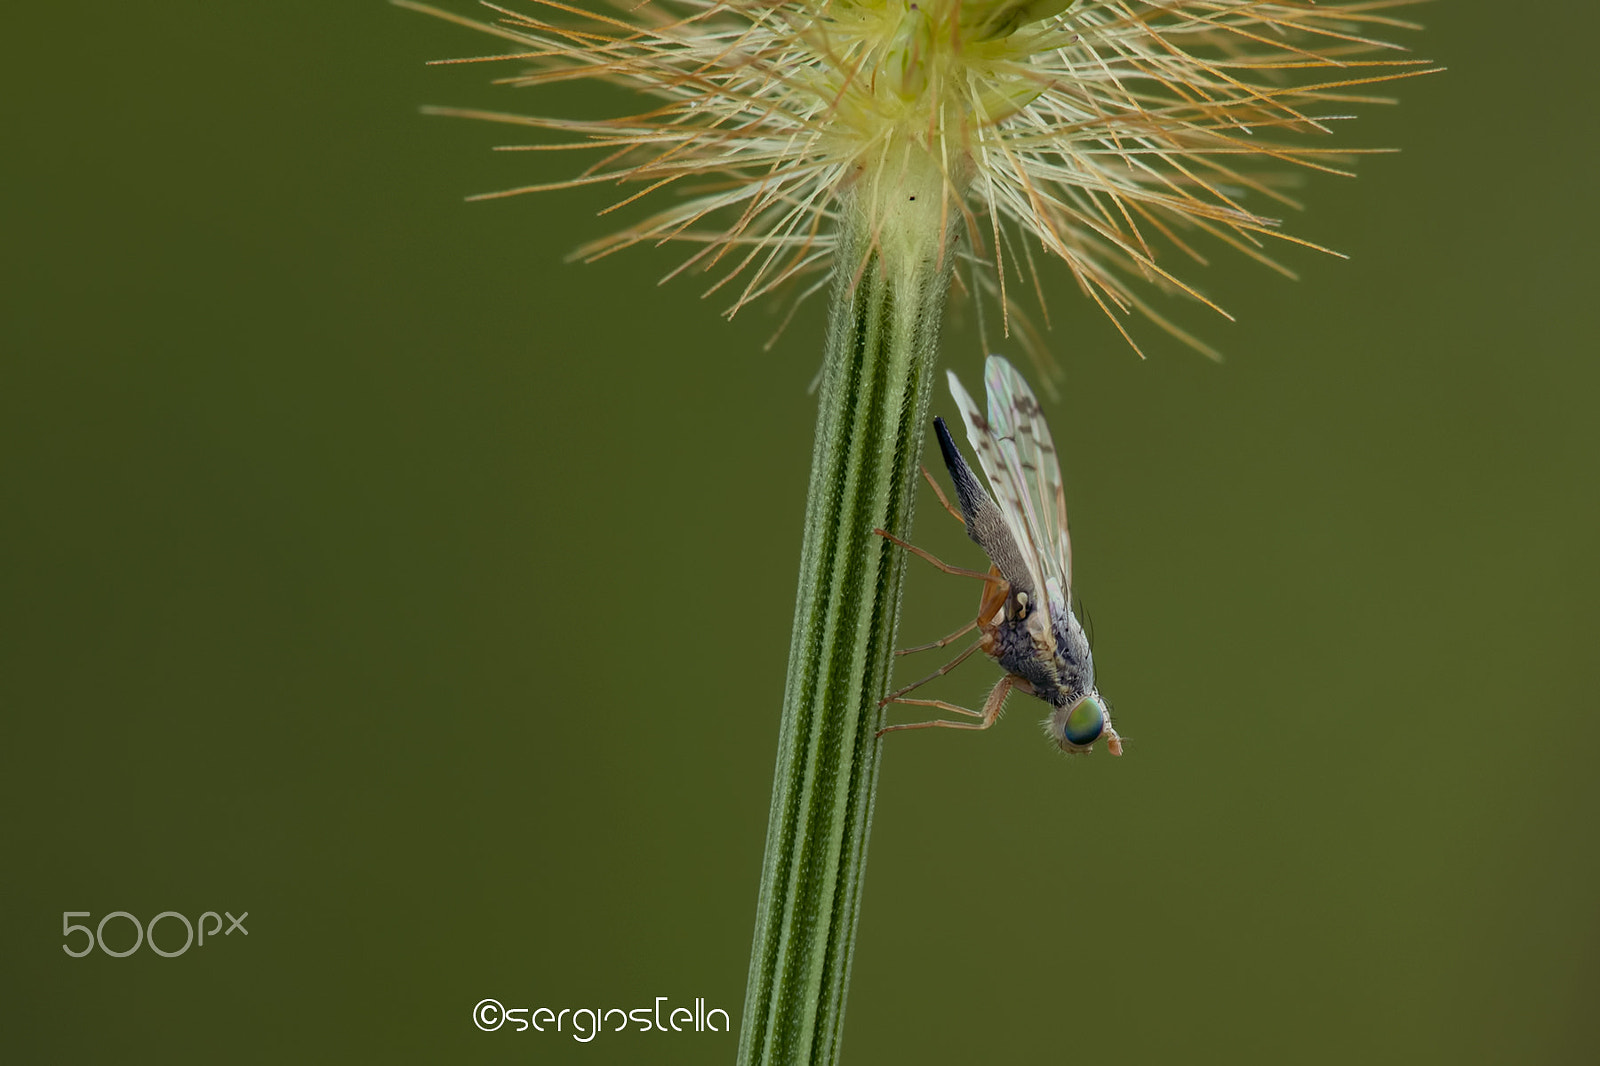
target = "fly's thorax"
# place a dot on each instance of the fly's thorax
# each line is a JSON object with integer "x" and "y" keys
{"x": 1072, "y": 649}
{"x": 1021, "y": 642}
{"x": 1052, "y": 655}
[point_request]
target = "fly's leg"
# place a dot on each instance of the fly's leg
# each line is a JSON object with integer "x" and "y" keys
{"x": 894, "y": 697}
{"x": 987, "y": 717}
{"x": 994, "y": 596}
{"x": 942, "y": 641}
{"x": 943, "y": 499}
{"x": 995, "y": 591}
{"x": 993, "y": 576}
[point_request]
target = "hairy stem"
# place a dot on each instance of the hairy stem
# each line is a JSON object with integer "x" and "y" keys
{"x": 881, "y": 348}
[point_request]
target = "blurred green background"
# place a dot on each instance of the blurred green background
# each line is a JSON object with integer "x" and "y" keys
{"x": 371, "y": 570}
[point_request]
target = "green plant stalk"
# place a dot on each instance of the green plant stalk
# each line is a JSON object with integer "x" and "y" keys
{"x": 881, "y": 349}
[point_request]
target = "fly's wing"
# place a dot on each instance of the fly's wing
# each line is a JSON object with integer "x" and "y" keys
{"x": 1029, "y": 457}
{"x": 1005, "y": 480}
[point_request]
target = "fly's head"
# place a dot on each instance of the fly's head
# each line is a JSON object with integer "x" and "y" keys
{"x": 1077, "y": 726}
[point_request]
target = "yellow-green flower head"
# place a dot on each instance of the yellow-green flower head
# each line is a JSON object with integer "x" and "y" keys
{"x": 1108, "y": 132}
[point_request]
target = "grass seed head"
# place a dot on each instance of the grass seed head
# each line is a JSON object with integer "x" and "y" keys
{"x": 1108, "y": 133}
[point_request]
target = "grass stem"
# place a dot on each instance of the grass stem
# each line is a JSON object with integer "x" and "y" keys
{"x": 881, "y": 348}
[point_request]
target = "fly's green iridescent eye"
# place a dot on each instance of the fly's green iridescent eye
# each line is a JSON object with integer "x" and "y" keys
{"x": 1085, "y": 722}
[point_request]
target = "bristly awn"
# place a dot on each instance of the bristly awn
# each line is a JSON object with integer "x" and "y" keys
{"x": 1025, "y": 619}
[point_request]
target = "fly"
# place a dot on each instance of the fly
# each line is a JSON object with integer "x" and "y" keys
{"x": 1025, "y": 620}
